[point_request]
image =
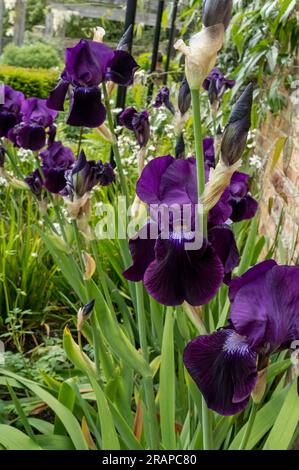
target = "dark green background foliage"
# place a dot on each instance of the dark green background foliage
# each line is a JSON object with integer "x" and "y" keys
{"x": 32, "y": 82}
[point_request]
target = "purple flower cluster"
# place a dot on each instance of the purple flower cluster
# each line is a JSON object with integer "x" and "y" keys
{"x": 61, "y": 173}
{"x": 216, "y": 84}
{"x": 26, "y": 122}
{"x": 138, "y": 122}
{"x": 264, "y": 318}
{"x": 10, "y": 110}
{"x": 87, "y": 65}
{"x": 36, "y": 124}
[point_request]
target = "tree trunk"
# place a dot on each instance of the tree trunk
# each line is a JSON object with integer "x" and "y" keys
{"x": 20, "y": 17}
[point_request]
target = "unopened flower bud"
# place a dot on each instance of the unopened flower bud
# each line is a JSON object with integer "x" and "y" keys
{"x": 201, "y": 53}
{"x": 84, "y": 314}
{"x": 236, "y": 131}
{"x": 180, "y": 147}
{"x": 216, "y": 11}
{"x": 184, "y": 98}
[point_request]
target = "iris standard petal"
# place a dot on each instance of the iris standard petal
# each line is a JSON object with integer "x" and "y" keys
{"x": 148, "y": 185}
{"x": 221, "y": 212}
{"x": 86, "y": 62}
{"x": 253, "y": 274}
{"x": 223, "y": 241}
{"x": 178, "y": 274}
{"x": 266, "y": 309}
{"x": 224, "y": 368}
{"x": 86, "y": 108}
{"x": 244, "y": 209}
{"x": 121, "y": 68}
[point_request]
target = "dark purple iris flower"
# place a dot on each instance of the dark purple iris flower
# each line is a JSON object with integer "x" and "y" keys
{"x": 180, "y": 146}
{"x": 163, "y": 98}
{"x": 243, "y": 206}
{"x": 36, "y": 111}
{"x": 34, "y": 181}
{"x": 88, "y": 64}
{"x": 170, "y": 273}
{"x": 28, "y": 136}
{"x": 216, "y": 84}
{"x": 85, "y": 174}
{"x": 56, "y": 160}
{"x": 10, "y": 110}
{"x": 36, "y": 118}
{"x": 137, "y": 122}
{"x": 264, "y": 318}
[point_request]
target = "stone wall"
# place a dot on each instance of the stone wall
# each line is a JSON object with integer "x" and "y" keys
{"x": 280, "y": 181}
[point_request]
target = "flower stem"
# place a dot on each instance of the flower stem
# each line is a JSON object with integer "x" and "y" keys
{"x": 249, "y": 426}
{"x": 147, "y": 381}
{"x": 200, "y": 164}
{"x": 206, "y": 426}
{"x": 115, "y": 148}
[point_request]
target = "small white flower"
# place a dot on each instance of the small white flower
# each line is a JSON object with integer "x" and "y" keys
{"x": 255, "y": 161}
{"x": 34, "y": 255}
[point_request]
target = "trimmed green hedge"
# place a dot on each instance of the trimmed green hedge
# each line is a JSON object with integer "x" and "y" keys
{"x": 32, "y": 82}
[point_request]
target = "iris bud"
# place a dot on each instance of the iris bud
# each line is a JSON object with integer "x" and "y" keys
{"x": 216, "y": 11}
{"x": 236, "y": 131}
{"x": 84, "y": 314}
{"x": 184, "y": 98}
{"x": 180, "y": 147}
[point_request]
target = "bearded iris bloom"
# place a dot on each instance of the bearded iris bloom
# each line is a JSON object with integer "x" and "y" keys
{"x": 10, "y": 110}
{"x": 56, "y": 160}
{"x": 138, "y": 122}
{"x": 163, "y": 98}
{"x": 184, "y": 97}
{"x": 84, "y": 175}
{"x": 172, "y": 274}
{"x": 35, "y": 183}
{"x": 264, "y": 318}
{"x": 87, "y": 65}
{"x": 31, "y": 132}
{"x": 216, "y": 84}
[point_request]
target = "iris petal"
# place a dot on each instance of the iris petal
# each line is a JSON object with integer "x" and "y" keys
{"x": 244, "y": 209}
{"x": 224, "y": 368}
{"x": 57, "y": 96}
{"x": 223, "y": 240}
{"x": 266, "y": 309}
{"x": 143, "y": 253}
{"x": 86, "y": 108}
{"x": 121, "y": 68}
